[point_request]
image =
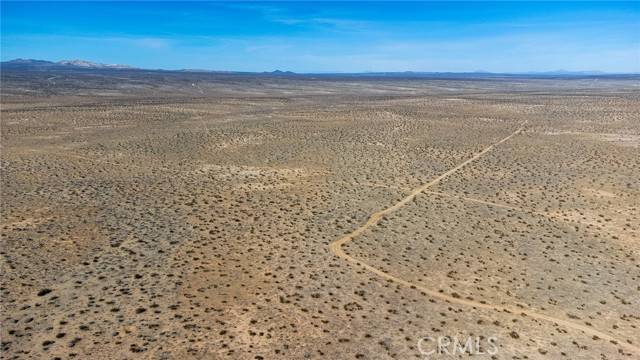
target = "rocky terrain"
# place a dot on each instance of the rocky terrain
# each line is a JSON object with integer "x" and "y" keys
{"x": 169, "y": 215}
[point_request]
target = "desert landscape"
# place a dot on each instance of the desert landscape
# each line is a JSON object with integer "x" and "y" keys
{"x": 178, "y": 215}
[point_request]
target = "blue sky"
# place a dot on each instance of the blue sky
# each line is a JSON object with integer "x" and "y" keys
{"x": 326, "y": 37}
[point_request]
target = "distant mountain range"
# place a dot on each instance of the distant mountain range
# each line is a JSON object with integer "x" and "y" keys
{"x": 43, "y": 64}
{"x": 31, "y": 64}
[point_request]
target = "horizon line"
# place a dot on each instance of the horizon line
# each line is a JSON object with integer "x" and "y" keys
{"x": 123, "y": 67}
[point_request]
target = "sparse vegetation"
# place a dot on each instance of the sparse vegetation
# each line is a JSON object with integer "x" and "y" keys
{"x": 162, "y": 222}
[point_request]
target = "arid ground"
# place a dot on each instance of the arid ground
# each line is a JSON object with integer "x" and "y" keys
{"x": 185, "y": 215}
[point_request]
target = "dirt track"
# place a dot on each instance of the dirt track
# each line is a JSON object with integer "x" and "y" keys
{"x": 336, "y": 248}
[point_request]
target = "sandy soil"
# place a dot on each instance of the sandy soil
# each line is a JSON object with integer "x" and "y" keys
{"x": 263, "y": 218}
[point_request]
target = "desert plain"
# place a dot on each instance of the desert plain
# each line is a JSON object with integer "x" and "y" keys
{"x": 168, "y": 215}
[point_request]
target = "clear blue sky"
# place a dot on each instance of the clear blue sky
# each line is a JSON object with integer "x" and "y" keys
{"x": 337, "y": 36}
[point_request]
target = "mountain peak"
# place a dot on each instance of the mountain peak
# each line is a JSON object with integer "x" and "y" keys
{"x": 93, "y": 65}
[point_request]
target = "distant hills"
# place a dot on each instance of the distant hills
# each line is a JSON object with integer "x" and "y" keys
{"x": 566, "y": 72}
{"x": 32, "y": 64}
{"x": 481, "y": 73}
